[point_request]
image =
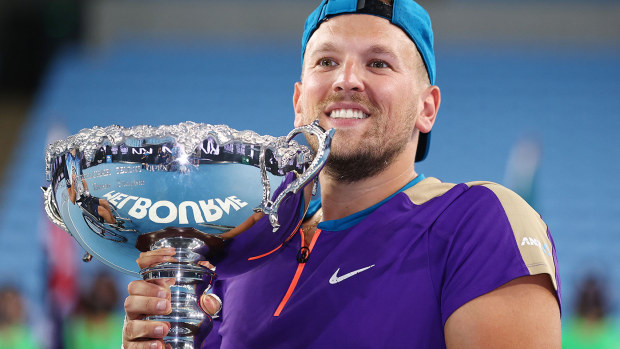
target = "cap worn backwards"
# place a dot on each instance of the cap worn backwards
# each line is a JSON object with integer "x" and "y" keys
{"x": 405, "y": 14}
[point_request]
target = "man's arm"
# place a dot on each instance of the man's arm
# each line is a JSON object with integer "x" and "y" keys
{"x": 524, "y": 313}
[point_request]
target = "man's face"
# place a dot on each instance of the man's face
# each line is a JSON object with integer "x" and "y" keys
{"x": 362, "y": 76}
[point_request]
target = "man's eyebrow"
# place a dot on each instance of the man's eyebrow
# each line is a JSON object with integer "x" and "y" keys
{"x": 325, "y": 47}
{"x": 382, "y": 50}
{"x": 374, "y": 49}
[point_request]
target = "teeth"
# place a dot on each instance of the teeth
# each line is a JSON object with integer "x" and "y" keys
{"x": 348, "y": 114}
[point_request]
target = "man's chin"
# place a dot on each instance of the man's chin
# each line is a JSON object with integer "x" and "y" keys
{"x": 352, "y": 162}
{"x": 356, "y": 167}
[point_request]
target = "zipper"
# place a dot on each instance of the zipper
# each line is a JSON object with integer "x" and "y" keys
{"x": 300, "y": 269}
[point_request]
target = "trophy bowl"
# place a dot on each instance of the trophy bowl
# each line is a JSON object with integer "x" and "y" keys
{"x": 122, "y": 191}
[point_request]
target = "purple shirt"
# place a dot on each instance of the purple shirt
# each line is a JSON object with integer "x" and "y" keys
{"x": 389, "y": 279}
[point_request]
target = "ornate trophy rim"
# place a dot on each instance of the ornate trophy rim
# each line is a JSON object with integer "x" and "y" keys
{"x": 188, "y": 135}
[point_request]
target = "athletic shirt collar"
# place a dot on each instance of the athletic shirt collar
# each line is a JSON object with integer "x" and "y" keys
{"x": 351, "y": 220}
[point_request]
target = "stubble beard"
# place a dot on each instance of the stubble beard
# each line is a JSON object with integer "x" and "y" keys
{"x": 369, "y": 160}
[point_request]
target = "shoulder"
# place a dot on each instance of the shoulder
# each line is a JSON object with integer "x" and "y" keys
{"x": 531, "y": 233}
{"x": 483, "y": 209}
{"x": 514, "y": 206}
{"x": 480, "y": 236}
{"x": 431, "y": 189}
{"x": 493, "y": 198}
{"x": 475, "y": 198}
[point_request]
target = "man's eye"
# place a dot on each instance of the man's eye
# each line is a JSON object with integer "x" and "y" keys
{"x": 326, "y": 62}
{"x": 379, "y": 64}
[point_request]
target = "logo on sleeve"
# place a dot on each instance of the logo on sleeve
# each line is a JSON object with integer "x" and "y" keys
{"x": 535, "y": 242}
{"x": 336, "y": 279}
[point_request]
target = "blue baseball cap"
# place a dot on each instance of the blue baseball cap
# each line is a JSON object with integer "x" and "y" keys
{"x": 408, "y": 15}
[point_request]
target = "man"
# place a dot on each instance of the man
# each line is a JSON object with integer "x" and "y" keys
{"x": 77, "y": 188}
{"x": 387, "y": 258}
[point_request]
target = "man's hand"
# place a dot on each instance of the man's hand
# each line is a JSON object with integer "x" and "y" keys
{"x": 152, "y": 297}
{"x": 148, "y": 297}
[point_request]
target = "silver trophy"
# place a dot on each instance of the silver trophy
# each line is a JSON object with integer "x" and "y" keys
{"x": 121, "y": 191}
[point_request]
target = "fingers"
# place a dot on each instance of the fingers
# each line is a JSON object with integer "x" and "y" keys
{"x": 207, "y": 264}
{"x": 211, "y": 303}
{"x": 151, "y": 258}
{"x": 148, "y": 298}
{"x": 138, "y": 334}
{"x": 137, "y": 307}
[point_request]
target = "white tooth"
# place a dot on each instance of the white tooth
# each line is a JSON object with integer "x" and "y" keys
{"x": 348, "y": 114}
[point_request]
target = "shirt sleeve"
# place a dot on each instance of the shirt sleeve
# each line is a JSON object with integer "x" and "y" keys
{"x": 487, "y": 237}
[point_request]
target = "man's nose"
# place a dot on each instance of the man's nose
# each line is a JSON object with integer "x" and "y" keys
{"x": 349, "y": 78}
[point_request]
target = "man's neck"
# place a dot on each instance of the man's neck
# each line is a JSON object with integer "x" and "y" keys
{"x": 340, "y": 199}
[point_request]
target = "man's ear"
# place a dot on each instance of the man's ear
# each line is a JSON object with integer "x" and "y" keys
{"x": 297, "y": 104}
{"x": 430, "y": 100}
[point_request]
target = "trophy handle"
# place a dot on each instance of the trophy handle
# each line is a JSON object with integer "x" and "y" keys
{"x": 51, "y": 209}
{"x": 324, "y": 145}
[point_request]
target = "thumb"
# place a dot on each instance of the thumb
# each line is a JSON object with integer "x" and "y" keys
{"x": 211, "y": 304}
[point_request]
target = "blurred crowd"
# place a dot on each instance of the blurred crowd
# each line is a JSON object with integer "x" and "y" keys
{"x": 592, "y": 326}
{"x": 94, "y": 322}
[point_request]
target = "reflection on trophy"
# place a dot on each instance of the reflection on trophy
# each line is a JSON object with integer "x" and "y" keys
{"x": 121, "y": 191}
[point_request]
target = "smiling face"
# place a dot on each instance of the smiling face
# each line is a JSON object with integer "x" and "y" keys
{"x": 364, "y": 77}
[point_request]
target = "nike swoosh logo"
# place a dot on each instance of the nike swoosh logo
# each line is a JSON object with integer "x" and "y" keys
{"x": 336, "y": 279}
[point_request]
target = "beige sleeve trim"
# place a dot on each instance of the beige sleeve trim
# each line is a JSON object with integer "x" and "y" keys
{"x": 427, "y": 189}
{"x": 530, "y": 231}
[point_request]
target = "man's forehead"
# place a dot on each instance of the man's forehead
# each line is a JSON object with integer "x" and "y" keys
{"x": 376, "y": 33}
{"x": 352, "y": 22}
{"x": 406, "y": 15}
